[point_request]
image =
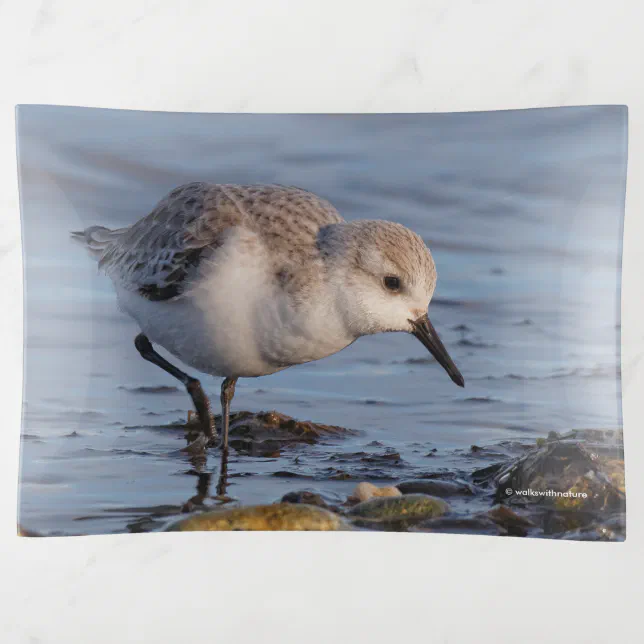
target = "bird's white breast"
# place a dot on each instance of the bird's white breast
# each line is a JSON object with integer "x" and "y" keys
{"x": 236, "y": 320}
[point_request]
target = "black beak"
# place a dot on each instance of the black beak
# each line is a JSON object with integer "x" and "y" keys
{"x": 425, "y": 332}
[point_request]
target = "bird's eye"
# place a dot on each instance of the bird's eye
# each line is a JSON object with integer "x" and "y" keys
{"x": 392, "y": 283}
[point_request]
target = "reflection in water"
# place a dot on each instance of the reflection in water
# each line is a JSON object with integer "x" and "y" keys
{"x": 203, "y": 491}
{"x": 197, "y": 449}
{"x": 204, "y": 479}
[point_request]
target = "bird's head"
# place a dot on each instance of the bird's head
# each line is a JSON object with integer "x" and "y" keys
{"x": 384, "y": 280}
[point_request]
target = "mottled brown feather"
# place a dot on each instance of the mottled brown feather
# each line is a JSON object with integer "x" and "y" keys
{"x": 160, "y": 253}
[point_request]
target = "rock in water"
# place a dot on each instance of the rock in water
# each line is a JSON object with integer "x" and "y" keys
{"x": 365, "y": 491}
{"x": 398, "y": 512}
{"x": 564, "y": 476}
{"x": 436, "y": 487}
{"x": 280, "y": 516}
{"x": 611, "y": 530}
{"x": 513, "y": 523}
{"x": 266, "y": 433}
{"x": 570, "y": 485}
{"x": 308, "y": 498}
{"x": 478, "y": 524}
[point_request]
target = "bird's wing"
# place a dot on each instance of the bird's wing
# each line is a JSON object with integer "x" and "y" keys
{"x": 160, "y": 254}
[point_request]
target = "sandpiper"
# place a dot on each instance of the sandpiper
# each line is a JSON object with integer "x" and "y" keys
{"x": 246, "y": 280}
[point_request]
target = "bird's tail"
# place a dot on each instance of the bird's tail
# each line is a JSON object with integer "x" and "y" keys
{"x": 96, "y": 239}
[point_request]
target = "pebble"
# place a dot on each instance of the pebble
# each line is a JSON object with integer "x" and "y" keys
{"x": 436, "y": 487}
{"x": 309, "y": 498}
{"x": 406, "y": 508}
{"x": 365, "y": 491}
{"x": 515, "y": 524}
{"x": 279, "y": 516}
{"x": 462, "y": 525}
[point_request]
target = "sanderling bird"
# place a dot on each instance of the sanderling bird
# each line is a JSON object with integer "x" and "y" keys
{"x": 243, "y": 281}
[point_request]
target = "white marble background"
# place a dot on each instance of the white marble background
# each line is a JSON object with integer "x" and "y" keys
{"x": 348, "y": 55}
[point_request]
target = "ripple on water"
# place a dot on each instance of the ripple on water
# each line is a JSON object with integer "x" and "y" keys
{"x": 415, "y": 361}
{"x": 475, "y": 344}
{"x": 598, "y": 371}
{"x": 376, "y": 402}
{"x": 287, "y": 474}
{"x": 156, "y": 389}
{"x": 447, "y": 302}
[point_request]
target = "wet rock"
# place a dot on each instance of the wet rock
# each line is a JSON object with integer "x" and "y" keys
{"x": 347, "y": 457}
{"x": 279, "y": 516}
{"x": 269, "y": 448}
{"x": 590, "y": 534}
{"x": 555, "y": 523}
{"x": 513, "y": 448}
{"x": 306, "y": 497}
{"x": 485, "y": 475}
{"x": 462, "y": 525}
{"x": 614, "y": 470}
{"x": 436, "y": 487}
{"x": 397, "y": 513}
{"x": 614, "y": 529}
{"x": 510, "y": 521}
{"x": 476, "y": 451}
{"x": 365, "y": 491}
{"x": 563, "y": 475}
{"x": 265, "y": 433}
{"x": 387, "y": 458}
{"x": 286, "y": 474}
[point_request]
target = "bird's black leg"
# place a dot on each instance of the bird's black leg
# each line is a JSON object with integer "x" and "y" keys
{"x": 192, "y": 385}
{"x": 222, "y": 483}
{"x": 227, "y": 393}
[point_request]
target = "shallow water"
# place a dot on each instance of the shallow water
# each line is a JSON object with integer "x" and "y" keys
{"x": 522, "y": 210}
